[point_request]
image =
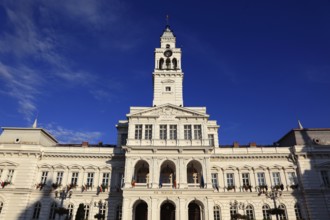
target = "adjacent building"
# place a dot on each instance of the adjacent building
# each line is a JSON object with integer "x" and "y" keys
{"x": 167, "y": 164}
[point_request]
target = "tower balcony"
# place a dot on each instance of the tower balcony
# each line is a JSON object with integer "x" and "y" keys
{"x": 169, "y": 142}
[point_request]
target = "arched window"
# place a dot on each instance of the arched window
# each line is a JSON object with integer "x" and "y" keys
{"x": 297, "y": 211}
{"x": 36, "y": 211}
{"x": 86, "y": 212}
{"x": 70, "y": 208}
{"x": 104, "y": 210}
{"x": 265, "y": 214}
{"x": 175, "y": 63}
{"x": 283, "y": 216}
{"x": 249, "y": 212}
{"x": 167, "y": 46}
{"x": 118, "y": 212}
{"x": 161, "y": 63}
{"x": 168, "y": 63}
{"x": 233, "y": 211}
{"x": 52, "y": 212}
{"x": 216, "y": 213}
{"x": 1, "y": 206}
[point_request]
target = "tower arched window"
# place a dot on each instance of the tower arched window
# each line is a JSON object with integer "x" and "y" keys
{"x": 175, "y": 63}
{"x": 36, "y": 211}
{"x": 161, "y": 63}
{"x": 168, "y": 63}
{"x": 167, "y": 46}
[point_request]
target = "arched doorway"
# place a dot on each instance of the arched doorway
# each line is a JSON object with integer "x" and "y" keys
{"x": 194, "y": 211}
{"x": 167, "y": 211}
{"x": 141, "y": 211}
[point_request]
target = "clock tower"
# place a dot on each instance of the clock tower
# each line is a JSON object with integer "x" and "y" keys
{"x": 168, "y": 75}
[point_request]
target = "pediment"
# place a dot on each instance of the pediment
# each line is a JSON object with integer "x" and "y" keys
{"x": 168, "y": 111}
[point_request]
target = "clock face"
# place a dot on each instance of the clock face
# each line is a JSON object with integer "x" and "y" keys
{"x": 168, "y": 53}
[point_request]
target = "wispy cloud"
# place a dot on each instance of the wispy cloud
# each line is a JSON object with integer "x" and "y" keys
{"x": 71, "y": 136}
{"x": 21, "y": 84}
{"x": 33, "y": 45}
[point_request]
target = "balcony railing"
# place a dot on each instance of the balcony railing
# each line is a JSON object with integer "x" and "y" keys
{"x": 169, "y": 142}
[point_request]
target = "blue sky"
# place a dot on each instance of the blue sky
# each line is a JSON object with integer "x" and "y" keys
{"x": 258, "y": 66}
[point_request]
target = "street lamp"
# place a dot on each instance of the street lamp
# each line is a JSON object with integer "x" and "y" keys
{"x": 274, "y": 194}
{"x": 63, "y": 194}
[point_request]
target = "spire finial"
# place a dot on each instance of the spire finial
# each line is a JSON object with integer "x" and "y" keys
{"x": 300, "y": 125}
{"x": 35, "y": 121}
{"x": 167, "y": 19}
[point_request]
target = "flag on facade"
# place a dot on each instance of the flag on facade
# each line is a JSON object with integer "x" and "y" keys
{"x": 133, "y": 181}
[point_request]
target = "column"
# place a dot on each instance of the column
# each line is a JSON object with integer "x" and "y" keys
{"x": 126, "y": 210}
{"x": 207, "y": 168}
{"x": 154, "y": 211}
{"x": 253, "y": 179}
{"x": 183, "y": 209}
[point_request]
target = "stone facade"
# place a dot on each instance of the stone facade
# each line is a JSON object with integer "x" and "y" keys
{"x": 167, "y": 164}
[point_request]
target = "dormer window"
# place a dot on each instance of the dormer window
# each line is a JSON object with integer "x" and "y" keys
{"x": 168, "y": 89}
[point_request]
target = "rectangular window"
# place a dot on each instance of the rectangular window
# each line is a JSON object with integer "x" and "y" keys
{"x": 74, "y": 178}
{"x": 168, "y": 89}
{"x": 105, "y": 179}
{"x": 44, "y": 175}
{"x": 123, "y": 139}
{"x": 187, "y": 132}
{"x": 261, "y": 179}
{"x": 86, "y": 212}
{"x": 246, "y": 179}
{"x": 211, "y": 140}
{"x": 173, "y": 132}
{"x": 325, "y": 178}
{"x": 10, "y": 175}
{"x": 197, "y": 132}
{"x": 138, "y": 132}
{"x": 276, "y": 178}
{"x": 292, "y": 178}
{"x": 163, "y": 132}
{"x": 214, "y": 177}
{"x": 230, "y": 179}
{"x": 148, "y": 132}
{"x": 59, "y": 178}
{"x": 90, "y": 178}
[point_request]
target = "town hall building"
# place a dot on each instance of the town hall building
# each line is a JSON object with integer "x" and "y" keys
{"x": 167, "y": 164}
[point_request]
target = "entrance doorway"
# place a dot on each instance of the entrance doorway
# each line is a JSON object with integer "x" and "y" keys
{"x": 167, "y": 211}
{"x": 194, "y": 211}
{"x": 141, "y": 211}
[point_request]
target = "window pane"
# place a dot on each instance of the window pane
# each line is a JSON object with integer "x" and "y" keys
{"x": 90, "y": 178}
{"x": 211, "y": 140}
{"x": 74, "y": 178}
{"x": 59, "y": 178}
{"x": 230, "y": 179}
{"x": 215, "y": 181}
{"x": 187, "y": 132}
{"x": 246, "y": 179}
{"x": 148, "y": 132}
{"x": 163, "y": 132}
{"x": 197, "y": 132}
{"x": 44, "y": 175}
{"x": 138, "y": 131}
{"x": 276, "y": 178}
{"x": 261, "y": 179}
{"x": 173, "y": 132}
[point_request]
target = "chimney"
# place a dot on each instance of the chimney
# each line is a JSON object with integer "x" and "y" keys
{"x": 253, "y": 144}
{"x": 236, "y": 144}
{"x": 84, "y": 144}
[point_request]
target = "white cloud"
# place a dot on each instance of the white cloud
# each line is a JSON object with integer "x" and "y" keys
{"x": 70, "y": 136}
